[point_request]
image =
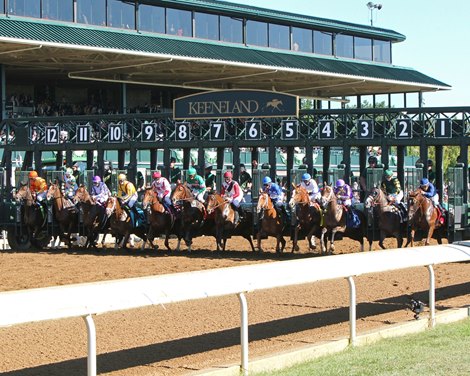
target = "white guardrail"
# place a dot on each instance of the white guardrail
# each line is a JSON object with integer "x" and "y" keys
{"x": 88, "y": 299}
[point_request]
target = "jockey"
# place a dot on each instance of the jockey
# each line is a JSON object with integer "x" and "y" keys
{"x": 37, "y": 185}
{"x": 391, "y": 187}
{"x": 232, "y": 192}
{"x": 209, "y": 178}
{"x": 196, "y": 184}
{"x": 126, "y": 191}
{"x": 162, "y": 188}
{"x": 274, "y": 191}
{"x": 70, "y": 184}
{"x": 311, "y": 187}
{"x": 430, "y": 192}
{"x": 100, "y": 191}
{"x": 343, "y": 193}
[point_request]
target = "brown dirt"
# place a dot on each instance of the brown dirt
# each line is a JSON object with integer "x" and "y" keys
{"x": 185, "y": 337}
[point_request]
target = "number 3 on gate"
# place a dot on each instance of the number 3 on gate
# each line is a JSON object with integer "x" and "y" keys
{"x": 365, "y": 129}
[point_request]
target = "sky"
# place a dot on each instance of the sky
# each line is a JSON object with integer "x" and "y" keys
{"x": 437, "y": 36}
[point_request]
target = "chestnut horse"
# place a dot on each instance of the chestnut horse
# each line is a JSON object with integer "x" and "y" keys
{"x": 160, "y": 220}
{"x": 65, "y": 213}
{"x": 424, "y": 216}
{"x": 388, "y": 215}
{"x": 271, "y": 224}
{"x": 225, "y": 221}
{"x": 34, "y": 213}
{"x": 94, "y": 217}
{"x": 121, "y": 224}
{"x": 335, "y": 221}
{"x": 308, "y": 216}
{"x": 193, "y": 215}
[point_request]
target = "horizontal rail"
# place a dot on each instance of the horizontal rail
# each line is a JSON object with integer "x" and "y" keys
{"x": 87, "y": 299}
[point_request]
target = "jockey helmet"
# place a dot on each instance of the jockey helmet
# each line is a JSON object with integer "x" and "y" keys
{"x": 388, "y": 173}
{"x": 207, "y": 165}
{"x": 242, "y": 167}
{"x": 430, "y": 163}
{"x": 267, "y": 180}
{"x": 424, "y": 182}
{"x": 228, "y": 174}
{"x": 157, "y": 174}
{"x": 122, "y": 177}
{"x": 191, "y": 171}
{"x": 340, "y": 183}
{"x": 372, "y": 159}
{"x": 33, "y": 174}
{"x": 96, "y": 179}
{"x": 306, "y": 176}
{"x": 68, "y": 171}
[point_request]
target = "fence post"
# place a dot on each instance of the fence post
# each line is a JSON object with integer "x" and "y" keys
{"x": 91, "y": 331}
{"x": 244, "y": 333}
{"x": 352, "y": 311}
{"x": 432, "y": 297}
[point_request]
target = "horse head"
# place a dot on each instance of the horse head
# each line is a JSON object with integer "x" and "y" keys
{"x": 264, "y": 202}
{"x": 375, "y": 197}
{"x": 111, "y": 205}
{"x": 181, "y": 193}
{"x": 327, "y": 196}
{"x": 23, "y": 193}
{"x": 299, "y": 196}
{"x": 82, "y": 195}
{"x": 151, "y": 201}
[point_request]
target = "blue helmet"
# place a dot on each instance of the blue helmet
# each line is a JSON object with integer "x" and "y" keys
{"x": 267, "y": 180}
{"x": 306, "y": 176}
{"x": 424, "y": 181}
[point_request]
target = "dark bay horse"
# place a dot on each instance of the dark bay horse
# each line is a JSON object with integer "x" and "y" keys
{"x": 225, "y": 221}
{"x": 34, "y": 213}
{"x": 65, "y": 213}
{"x": 388, "y": 215}
{"x": 121, "y": 224}
{"x": 271, "y": 223}
{"x": 308, "y": 216}
{"x": 160, "y": 220}
{"x": 422, "y": 215}
{"x": 335, "y": 221}
{"x": 194, "y": 221}
{"x": 94, "y": 216}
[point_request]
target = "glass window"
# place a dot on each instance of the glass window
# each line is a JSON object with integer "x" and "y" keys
{"x": 257, "y": 33}
{"x": 2, "y": 7}
{"x": 302, "y": 40}
{"x": 152, "y": 18}
{"x": 363, "y": 48}
{"x": 91, "y": 12}
{"x": 178, "y": 22}
{"x": 57, "y": 10}
{"x": 231, "y": 29}
{"x": 322, "y": 42}
{"x": 28, "y": 8}
{"x": 382, "y": 51}
{"x": 279, "y": 36}
{"x": 121, "y": 14}
{"x": 344, "y": 45}
{"x": 206, "y": 26}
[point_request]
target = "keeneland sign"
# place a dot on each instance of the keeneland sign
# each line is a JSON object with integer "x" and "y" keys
{"x": 235, "y": 104}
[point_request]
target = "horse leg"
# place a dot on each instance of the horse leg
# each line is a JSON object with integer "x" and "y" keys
{"x": 430, "y": 232}
{"x": 323, "y": 240}
{"x": 382, "y": 238}
{"x": 295, "y": 246}
{"x": 399, "y": 241}
{"x": 259, "y": 241}
{"x": 332, "y": 243}
{"x": 283, "y": 243}
{"x": 251, "y": 242}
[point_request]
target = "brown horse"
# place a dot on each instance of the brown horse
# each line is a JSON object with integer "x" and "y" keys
{"x": 388, "y": 215}
{"x": 34, "y": 215}
{"x": 226, "y": 224}
{"x": 160, "y": 220}
{"x": 193, "y": 215}
{"x": 423, "y": 215}
{"x": 308, "y": 216}
{"x": 335, "y": 221}
{"x": 271, "y": 223}
{"x": 94, "y": 217}
{"x": 65, "y": 213}
{"x": 121, "y": 224}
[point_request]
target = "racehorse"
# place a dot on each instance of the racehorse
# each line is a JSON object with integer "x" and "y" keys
{"x": 423, "y": 215}
{"x": 65, "y": 212}
{"x": 335, "y": 221}
{"x": 193, "y": 215}
{"x": 225, "y": 221}
{"x": 271, "y": 223}
{"x": 34, "y": 214}
{"x": 160, "y": 221}
{"x": 121, "y": 224}
{"x": 388, "y": 215}
{"x": 308, "y": 217}
{"x": 94, "y": 217}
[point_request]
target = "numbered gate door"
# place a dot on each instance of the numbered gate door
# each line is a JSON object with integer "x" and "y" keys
{"x": 53, "y": 176}
{"x": 218, "y": 179}
{"x": 455, "y": 204}
{"x": 413, "y": 175}
{"x": 296, "y": 175}
{"x": 373, "y": 178}
{"x": 257, "y": 179}
{"x": 87, "y": 179}
{"x": 334, "y": 174}
{"x": 20, "y": 177}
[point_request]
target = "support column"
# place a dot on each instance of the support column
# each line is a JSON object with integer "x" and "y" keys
{"x": 59, "y": 160}
{"x": 121, "y": 159}
{"x": 464, "y": 160}
{"x": 289, "y": 167}
{"x": 236, "y": 161}
{"x": 401, "y": 165}
{"x": 220, "y": 158}
{"x": 326, "y": 164}
{"x": 272, "y": 160}
{"x": 186, "y": 158}
{"x": 89, "y": 159}
{"x": 423, "y": 155}
{"x": 439, "y": 170}
{"x": 9, "y": 169}
{"x": 123, "y": 98}
{"x": 201, "y": 159}
{"x": 27, "y": 161}
{"x": 68, "y": 157}
{"x": 309, "y": 158}
{"x": 38, "y": 161}
{"x": 100, "y": 162}
{"x": 385, "y": 154}
{"x": 153, "y": 159}
{"x": 254, "y": 154}
{"x": 3, "y": 92}
{"x": 132, "y": 167}
{"x": 347, "y": 162}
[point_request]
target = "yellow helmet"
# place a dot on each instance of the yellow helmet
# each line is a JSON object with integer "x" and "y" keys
{"x": 122, "y": 177}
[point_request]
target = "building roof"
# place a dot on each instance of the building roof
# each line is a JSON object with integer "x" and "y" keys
{"x": 98, "y": 53}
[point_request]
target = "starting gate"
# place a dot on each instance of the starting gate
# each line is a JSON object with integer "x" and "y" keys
{"x": 412, "y": 177}
{"x": 374, "y": 178}
{"x": 257, "y": 179}
{"x": 296, "y": 175}
{"x": 334, "y": 174}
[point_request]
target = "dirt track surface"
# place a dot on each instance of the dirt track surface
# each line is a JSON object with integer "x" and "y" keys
{"x": 186, "y": 337}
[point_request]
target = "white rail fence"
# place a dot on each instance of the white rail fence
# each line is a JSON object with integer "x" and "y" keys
{"x": 87, "y": 299}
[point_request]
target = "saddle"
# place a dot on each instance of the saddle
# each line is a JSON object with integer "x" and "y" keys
{"x": 137, "y": 216}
